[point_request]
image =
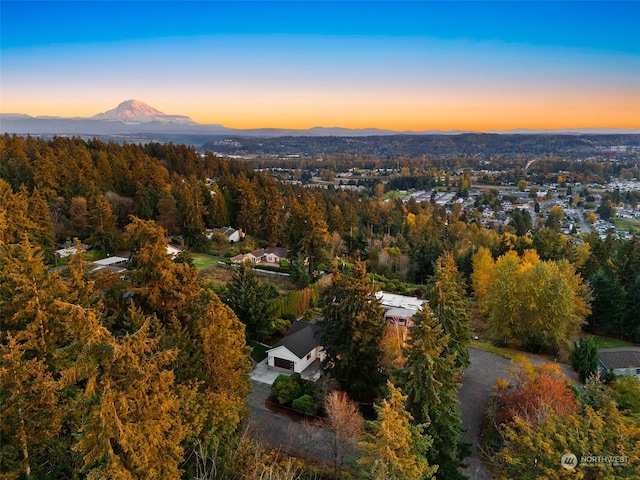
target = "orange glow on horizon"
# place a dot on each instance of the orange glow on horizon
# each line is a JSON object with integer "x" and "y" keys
{"x": 399, "y": 113}
{"x": 470, "y": 117}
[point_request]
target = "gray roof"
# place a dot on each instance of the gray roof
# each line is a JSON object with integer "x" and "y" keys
{"x": 228, "y": 231}
{"x": 279, "y": 251}
{"x": 623, "y": 357}
{"x": 301, "y": 338}
{"x": 399, "y": 312}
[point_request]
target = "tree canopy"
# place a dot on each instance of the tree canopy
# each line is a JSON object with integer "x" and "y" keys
{"x": 352, "y": 332}
{"x": 395, "y": 449}
{"x": 115, "y": 389}
{"x": 540, "y": 304}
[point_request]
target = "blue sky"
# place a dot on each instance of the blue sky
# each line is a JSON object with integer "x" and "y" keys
{"x": 400, "y": 65}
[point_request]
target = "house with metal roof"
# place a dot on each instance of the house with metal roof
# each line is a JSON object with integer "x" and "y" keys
{"x": 110, "y": 264}
{"x": 399, "y": 309}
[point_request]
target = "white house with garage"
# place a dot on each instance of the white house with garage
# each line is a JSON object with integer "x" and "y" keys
{"x": 299, "y": 348}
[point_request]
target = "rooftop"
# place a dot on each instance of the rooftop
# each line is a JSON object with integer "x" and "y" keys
{"x": 301, "y": 338}
{"x": 622, "y": 357}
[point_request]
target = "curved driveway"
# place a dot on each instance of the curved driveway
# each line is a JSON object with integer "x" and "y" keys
{"x": 300, "y": 438}
{"x": 477, "y": 383}
{"x": 312, "y": 442}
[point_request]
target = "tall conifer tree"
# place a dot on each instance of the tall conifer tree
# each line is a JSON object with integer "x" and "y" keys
{"x": 449, "y": 303}
{"x": 394, "y": 450}
{"x": 252, "y": 301}
{"x": 353, "y": 329}
{"x": 428, "y": 377}
{"x": 131, "y": 410}
{"x": 104, "y": 234}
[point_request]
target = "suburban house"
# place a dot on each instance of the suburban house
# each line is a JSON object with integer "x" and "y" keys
{"x": 269, "y": 256}
{"x": 622, "y": 360}
{"x": 72, "y": 249}
{"x": 110, "y": 264}
{"x": 299, "y": 348}
{"x": 399, "y": 309}
{"x": 231, "y": 233}
{"x": 302, "y": 345}
{"x": 172, "y": 251}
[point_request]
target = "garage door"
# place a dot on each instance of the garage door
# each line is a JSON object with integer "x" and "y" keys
{"x": 283, "y": 363}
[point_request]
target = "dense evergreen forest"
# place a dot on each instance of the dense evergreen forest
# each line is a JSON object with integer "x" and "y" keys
{"x": 146, "y": 376}
{"x": 89, "y": 190}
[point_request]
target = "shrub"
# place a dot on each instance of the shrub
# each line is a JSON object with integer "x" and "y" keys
{"x": 270, "y": 268}
{"x": 305, "y": 404}
{"x": 289, "y": 316}
{"x": 626, "y": 392}
{"x": 285, "y": 389}
{"x": 219, "y": 239}
{"x": 584, "y": 357}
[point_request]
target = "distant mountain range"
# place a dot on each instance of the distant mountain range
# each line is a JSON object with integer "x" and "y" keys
{"x": 134, "y": 117}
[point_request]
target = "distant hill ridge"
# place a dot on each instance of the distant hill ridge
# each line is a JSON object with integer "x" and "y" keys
{"x": 133, "y": 117}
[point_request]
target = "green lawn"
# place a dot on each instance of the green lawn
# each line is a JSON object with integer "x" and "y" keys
{"x": 397, "y": 193}
{"x": 258, "y": 352}
{"x": 506, "y": 352}
{"x": 93, "y": 254}
{"x": 625, "y": 223}
{"x": 203, "y": 261}
{"x": 491, "y": 348}
{"x": 604, "y": 342}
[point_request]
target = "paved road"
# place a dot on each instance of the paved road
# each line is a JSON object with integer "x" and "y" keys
{"x": 312, "y": 442}
{"x": 477, "y": 383}
{"x": 477, "y": 387}
{"x": 297, "y": 437}
{"x": 586, "y": 228}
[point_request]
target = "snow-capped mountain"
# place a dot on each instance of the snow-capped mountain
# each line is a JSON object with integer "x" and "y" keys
{"x": 136, "y": 112}
{"x": 138, "y": 120}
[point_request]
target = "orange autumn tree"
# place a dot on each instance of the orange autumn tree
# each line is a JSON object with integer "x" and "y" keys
{"x": 535, "y": 391}
{"x": 538, "y": 420}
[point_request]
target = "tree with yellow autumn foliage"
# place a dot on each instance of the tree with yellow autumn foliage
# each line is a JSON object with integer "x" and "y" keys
{"x": 394, "y": 449}
{"x": 537, "y": 304}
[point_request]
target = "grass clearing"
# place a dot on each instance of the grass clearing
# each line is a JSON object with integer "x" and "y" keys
{"x": 605, "y": 342}
{"x": 626, "y": 223}
{"x": 491, "y": 348}
{"x": 203, "y": 261}
{"x": 259, "y": 350}
{"x": 93, "y": 254}
{"x": 395, "y": 193}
